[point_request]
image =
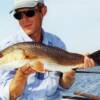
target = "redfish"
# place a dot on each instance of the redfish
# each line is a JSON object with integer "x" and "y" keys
{"x": 42, "y": 57}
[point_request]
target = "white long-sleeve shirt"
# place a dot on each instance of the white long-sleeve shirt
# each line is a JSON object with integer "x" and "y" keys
{"x": 39, "y": 86}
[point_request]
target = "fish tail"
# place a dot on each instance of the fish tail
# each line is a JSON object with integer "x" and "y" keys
{"x": 96, "y": 57}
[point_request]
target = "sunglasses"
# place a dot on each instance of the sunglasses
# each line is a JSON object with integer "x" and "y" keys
{"x": 19, "y": 15}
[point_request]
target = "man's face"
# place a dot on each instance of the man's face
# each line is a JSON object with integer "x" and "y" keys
{"x": 30, "y": 19}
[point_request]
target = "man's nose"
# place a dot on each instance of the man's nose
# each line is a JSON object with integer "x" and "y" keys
{"x": 24, "y": 17}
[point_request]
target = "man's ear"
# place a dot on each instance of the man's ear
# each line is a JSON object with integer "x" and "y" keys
{"x": 44, "y": 10}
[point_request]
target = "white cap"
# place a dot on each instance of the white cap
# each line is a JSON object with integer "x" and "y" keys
{"x": 25, "y": 3}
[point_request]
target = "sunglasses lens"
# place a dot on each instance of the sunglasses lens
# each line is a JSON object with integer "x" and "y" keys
{"x": 17, "y": 15}
{"x": 30, "y": 13}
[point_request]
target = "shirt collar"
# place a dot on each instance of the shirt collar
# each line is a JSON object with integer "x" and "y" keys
{"x": 27, "y": 38}
{"x": 46, "y": 39}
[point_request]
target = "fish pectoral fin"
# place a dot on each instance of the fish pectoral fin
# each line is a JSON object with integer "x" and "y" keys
{"x": 39, "y": 67}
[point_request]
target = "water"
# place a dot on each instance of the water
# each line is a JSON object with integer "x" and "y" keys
{"x": 86, "y": 82}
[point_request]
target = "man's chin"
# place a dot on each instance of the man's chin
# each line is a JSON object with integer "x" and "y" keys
{"x": 28, "y": 32}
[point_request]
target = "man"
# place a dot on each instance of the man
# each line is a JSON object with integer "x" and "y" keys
{"x": 25, "y": 83}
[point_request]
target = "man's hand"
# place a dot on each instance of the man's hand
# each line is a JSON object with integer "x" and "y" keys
{"x": 68, "y": 78}
{"x": 18, "y": 83}
{"x": 88, "y": 63}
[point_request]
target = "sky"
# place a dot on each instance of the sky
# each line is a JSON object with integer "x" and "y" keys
{"x": 76, "y": 22}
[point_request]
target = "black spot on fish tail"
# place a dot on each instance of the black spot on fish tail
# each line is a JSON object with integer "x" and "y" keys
{"x": 96, "y": 57}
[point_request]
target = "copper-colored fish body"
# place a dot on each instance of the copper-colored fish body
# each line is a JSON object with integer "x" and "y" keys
{"x": 53, "y": 58}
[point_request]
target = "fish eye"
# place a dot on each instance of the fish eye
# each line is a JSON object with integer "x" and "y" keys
{"x": 1, "y": 55}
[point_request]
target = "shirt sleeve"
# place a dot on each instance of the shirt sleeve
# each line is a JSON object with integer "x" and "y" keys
{"x": 4, "y": 85}
{"x": 4, "y": 95}
{"x": 62, "y": 89}
{"x": 10, "y": 40}
{"x": 57, "y": 76}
